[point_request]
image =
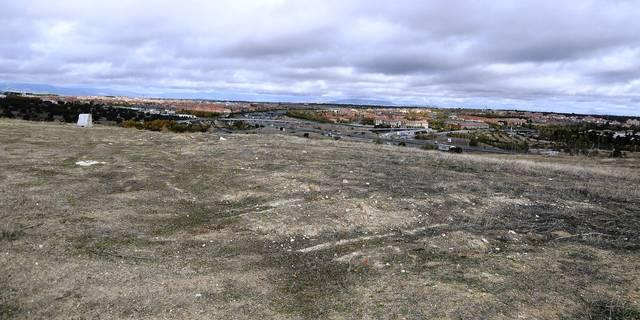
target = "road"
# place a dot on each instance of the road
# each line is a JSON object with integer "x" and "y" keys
{"x": 313, "y": 127}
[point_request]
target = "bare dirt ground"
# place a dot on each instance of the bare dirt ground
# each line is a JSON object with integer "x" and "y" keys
{"x": 188, "y": 226}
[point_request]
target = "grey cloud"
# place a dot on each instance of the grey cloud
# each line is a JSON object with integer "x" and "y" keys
{"x": 401, "y": 61}
{"x": 283, "y": 45}
{"x": 616, "y": 76}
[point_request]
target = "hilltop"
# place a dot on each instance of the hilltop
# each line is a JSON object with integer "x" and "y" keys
{"x": 109, "y": 222}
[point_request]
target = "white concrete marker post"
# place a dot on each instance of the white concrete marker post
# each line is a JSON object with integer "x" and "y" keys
{"x": 85, "y": 120}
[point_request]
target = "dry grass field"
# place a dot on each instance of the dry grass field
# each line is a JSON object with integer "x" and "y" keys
{"x": 188, "y": 226}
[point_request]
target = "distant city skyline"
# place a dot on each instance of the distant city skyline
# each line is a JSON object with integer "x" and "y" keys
{"x": 576, "y": 56}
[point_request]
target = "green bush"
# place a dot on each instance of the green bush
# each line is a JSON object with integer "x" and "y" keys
{"x": 428, "y": 147}
{"x": 165, "y": 125}
{"x": 616, "y": 154}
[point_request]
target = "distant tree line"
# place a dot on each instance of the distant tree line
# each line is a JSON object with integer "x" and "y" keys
{"x": 494, "y": 139}
{"x": 517, "y": 146}
{"x": 34, "y": 109}
{"x": 582, "y": 138}
{"x": 308, "y": 115}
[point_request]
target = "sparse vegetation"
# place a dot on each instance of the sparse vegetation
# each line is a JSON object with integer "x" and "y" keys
{"x": 7, "y": 311}
{"x": 428, "y": 147}
{"x": 425, "y": 136}
{"x": 166, "y": 125}
{"x": 189, "y": 226}
{"x": 607, "y": 309}
{"x": 10, "y": 235}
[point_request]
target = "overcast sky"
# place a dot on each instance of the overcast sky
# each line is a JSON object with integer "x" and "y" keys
{"x": 576, "y": 56}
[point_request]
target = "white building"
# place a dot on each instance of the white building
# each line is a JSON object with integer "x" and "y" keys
{"x": 633, "y": 123}
{"x": 85, "y": 120}
{"x": 390, "y": 123}
{"x": 417, "y": 124}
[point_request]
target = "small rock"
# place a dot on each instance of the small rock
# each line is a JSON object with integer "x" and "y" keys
{"x": 88, "y": 163}
{"x": 345, "y": 181}
{"x": 198, "y": 295}
{"x": 560, "y": 234}
{"x": 223, "y": 139}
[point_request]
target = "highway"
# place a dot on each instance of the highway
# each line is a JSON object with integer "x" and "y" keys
{"x": 299, "y": 126}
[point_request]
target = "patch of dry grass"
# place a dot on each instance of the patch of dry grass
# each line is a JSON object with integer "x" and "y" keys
{"x": 268, "y": 226}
